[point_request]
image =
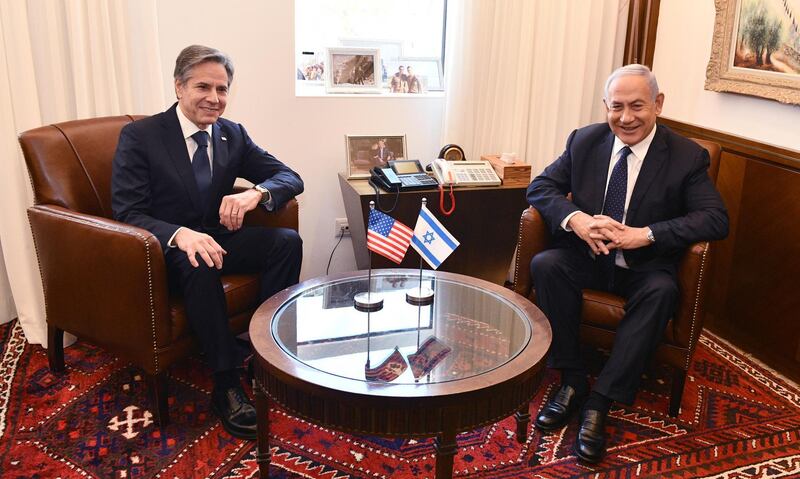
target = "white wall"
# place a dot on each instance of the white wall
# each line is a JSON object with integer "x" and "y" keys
{"x": 683, "y": 47}
{"x": 307, "y": 133}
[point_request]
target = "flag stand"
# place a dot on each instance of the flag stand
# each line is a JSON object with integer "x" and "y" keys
{"x": 420, "y": 296}
{"x": 367, "y": 302}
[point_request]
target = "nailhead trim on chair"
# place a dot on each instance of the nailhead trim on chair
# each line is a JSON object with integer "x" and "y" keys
{"x": 692, "y": 338}
{"x": 516, "y": 251}
{"x": 39, "y": 265}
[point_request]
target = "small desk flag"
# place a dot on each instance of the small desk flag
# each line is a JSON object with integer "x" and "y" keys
{"x": 387, "y": 236}
{"x": 431, "y": 240}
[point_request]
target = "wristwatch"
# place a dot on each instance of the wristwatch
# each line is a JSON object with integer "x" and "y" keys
{"x": 265, "y": 194}
{"x": 650, "y": 237}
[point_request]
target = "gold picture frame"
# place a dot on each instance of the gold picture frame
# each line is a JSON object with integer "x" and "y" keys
{"x": 756, "y": 50}
{"x": 365, "y": 152}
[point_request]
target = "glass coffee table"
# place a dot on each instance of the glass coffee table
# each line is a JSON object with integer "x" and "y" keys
{"x": 471, "y": 357}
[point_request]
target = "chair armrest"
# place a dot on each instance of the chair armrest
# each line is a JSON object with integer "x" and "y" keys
{"x": 285, "y": 217}
{"x": 692, "y": 278}
{"x": 103, "y": 280}
{"x": 533, "y": 238}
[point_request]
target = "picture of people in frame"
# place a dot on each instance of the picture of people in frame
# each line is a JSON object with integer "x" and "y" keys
{"x": 353, "y": 69}
{"x": 367, "y": 152}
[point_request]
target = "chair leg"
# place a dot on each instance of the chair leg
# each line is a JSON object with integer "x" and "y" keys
{"x": 678, "y": 381}
{"x": 159, "y": 395}
{"x": 55, "y": 348}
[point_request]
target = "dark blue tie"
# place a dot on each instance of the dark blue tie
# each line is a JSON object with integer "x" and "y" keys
{"x": 614, "y": 207}
{"x": 201, "y": 166}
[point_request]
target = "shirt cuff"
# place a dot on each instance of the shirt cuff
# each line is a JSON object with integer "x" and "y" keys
{"x": 170, "y": 243}
{"x": 565, "y": 221}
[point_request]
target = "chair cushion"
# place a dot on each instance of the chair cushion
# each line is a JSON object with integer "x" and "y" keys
{"x": 241, "y": 294}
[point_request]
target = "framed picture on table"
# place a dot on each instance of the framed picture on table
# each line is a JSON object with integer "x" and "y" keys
{"x": 353, "y": 70}
{"x": 367, "y": 152}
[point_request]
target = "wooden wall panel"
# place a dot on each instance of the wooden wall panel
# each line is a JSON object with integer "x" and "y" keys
{"x": 754, "y": 299}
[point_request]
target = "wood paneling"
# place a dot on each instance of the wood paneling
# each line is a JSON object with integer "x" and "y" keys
{"x": 754, "y": 301}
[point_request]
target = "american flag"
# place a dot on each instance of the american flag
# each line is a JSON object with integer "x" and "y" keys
{"x": 387, "y": 236}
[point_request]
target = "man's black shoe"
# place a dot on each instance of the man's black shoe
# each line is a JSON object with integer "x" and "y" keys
{"x": 556, "y": 413}
{"x": 236, "y": 412}
{"x": 590, "y": 445}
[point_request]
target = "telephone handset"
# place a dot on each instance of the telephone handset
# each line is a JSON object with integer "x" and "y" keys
{"x": 385, "y": 178}
{"x": 464, "y": 173}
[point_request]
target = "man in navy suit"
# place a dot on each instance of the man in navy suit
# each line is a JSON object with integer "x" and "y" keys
{"x": 173, "y": 175}
{"x": 640, "y": 195}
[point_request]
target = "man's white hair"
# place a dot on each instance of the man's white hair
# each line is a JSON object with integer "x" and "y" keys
{"x": 633, "y": 69}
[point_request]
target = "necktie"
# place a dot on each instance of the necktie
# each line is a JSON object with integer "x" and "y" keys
{"x": 614, "y": 207}
{"x": 201, "y": 166}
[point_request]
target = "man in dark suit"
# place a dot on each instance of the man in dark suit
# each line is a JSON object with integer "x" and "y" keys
{"x": 640, "y": 195}
{"x": 173, "y": 175}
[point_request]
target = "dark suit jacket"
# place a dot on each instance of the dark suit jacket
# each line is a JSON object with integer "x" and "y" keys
{"x": 153, "y": 184}
{"x": 673, "y": 194}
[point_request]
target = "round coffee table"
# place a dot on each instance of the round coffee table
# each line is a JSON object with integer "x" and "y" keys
{"x": 472, "y": 357}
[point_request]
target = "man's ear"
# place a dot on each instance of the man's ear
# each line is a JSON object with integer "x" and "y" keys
{"x": 659, "y": 103}
{"x": 177, "y": 89}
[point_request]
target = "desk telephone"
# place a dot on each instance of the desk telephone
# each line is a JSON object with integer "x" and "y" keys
{"x": 403, "y": 175}
{"x": 465, "y": 173}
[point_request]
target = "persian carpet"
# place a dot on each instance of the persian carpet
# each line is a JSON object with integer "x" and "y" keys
{"x": 738, "y": 420}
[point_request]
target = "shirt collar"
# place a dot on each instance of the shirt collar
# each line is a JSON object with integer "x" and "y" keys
{"x": 640, "y": 149}
{"x": 187, "y": 127}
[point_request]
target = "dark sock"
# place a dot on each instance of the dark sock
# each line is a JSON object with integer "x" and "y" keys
{"x": 226, "y": 379}
{"x": 577, "y": 379}
{"x": 598, "y": 402}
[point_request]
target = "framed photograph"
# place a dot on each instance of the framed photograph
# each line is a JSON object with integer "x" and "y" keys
{"x": 310, "y": 67}
{"x": 756, "y": 49}
{"x": 367, "y": 152}
{"x": 390, "y": 50}
{"x": 353, "y": 70}
{"x": 415, "y": 75}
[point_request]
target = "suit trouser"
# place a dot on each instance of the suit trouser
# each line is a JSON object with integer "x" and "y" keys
{"x": 276, "y": 253}
{"x": 560, "y": 275}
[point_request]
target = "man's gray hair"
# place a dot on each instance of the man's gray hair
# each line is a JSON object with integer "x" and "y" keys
{"x": 194, "y": 55}
{"x": 633, "y": 69}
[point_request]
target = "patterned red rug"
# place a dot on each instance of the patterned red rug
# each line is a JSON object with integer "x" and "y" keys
{"x": 739, "y": 420}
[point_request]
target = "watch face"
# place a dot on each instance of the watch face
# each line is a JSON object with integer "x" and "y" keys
{"x": 452, "y": 153}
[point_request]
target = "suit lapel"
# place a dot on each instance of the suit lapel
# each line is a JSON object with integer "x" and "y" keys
{"x": 172, "y": 136}
{"x": 653, "y": 162}
{"x": 220, "y": 161}
{"x": 602, "y": 155}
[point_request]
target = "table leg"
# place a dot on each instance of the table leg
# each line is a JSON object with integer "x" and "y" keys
{"x": 446, "y": 448}
{"x": 523, "y": 418}
{"x": 263, "y": 455}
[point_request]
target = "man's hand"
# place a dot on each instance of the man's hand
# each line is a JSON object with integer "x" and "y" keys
{"x": 193, "y": 243}
{"x": 619, "y": 236}
{"x": 579, "y": 223}
{"x": 233, "y": 208}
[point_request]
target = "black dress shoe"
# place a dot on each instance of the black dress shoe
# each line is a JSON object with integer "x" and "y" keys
{"x": 557, "y": 412}
{"x": 236, "y": 412}
{"x": 590, "y": 446}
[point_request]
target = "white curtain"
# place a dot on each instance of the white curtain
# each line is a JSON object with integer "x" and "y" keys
{"x": 522, "y": 74}
{"x": 62, "y": 60}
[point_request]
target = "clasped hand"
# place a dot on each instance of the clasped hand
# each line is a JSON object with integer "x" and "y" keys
{"x": 604, "y": 234}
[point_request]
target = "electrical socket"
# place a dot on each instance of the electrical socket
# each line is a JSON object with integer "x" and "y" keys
{"x": 340, "y": 224}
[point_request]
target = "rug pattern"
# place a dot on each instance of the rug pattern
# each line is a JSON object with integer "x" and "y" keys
{"x": 738, "y": 420}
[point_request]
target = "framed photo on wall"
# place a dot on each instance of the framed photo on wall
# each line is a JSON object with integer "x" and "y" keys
{"x": 353, "y": 70}
{"x": 756, "y": 49}
{"x": 367, "y": 152}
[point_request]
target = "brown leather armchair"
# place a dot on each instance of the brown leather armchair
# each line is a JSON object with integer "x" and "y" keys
{"x": 106, "y": 281}
{"x": 603, "y": 311}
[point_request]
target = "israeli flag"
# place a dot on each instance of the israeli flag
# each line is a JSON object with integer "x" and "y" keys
{"x": 431, "y": 240}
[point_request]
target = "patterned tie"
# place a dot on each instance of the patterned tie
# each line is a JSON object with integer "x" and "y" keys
{"x": 614, "y": 207}
{"x": 201, "y": 166}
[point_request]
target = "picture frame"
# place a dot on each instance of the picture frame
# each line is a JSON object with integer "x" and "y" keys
{"x": 353, "y": 70}
{"x": 310, "y": 67}
{"x": 427, "y": 69}
{"x": 364, "y": 152}
{"x": 390, "y": 50}
{"x": 737, "y": 66}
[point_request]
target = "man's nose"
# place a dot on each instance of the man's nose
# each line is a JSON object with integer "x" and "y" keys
{"x": 626, "y": 116}
{"x": 213, "y": 96}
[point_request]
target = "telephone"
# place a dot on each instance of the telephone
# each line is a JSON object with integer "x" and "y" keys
{"x": 401, "y": 175}
{"x": 465, "y": 173}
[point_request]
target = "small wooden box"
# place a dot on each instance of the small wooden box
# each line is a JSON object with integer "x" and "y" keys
{"x": 512, "y": 174}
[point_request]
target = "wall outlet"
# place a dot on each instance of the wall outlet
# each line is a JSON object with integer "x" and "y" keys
{"x": 339, "y": 225}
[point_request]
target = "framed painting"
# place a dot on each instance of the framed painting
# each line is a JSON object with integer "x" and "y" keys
{"x": 756, "y": 49}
